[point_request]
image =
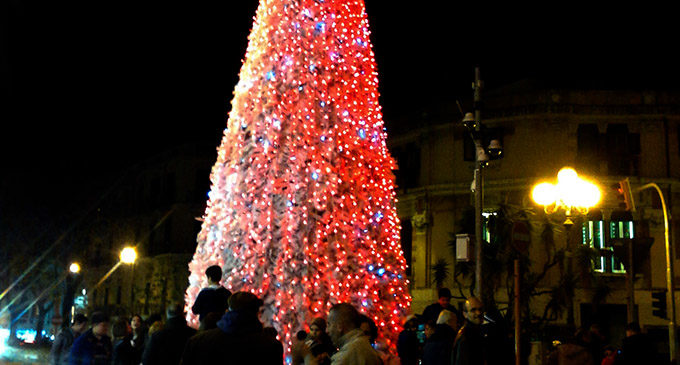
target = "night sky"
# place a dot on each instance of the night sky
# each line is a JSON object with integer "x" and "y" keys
{"x": 92, "y": 86}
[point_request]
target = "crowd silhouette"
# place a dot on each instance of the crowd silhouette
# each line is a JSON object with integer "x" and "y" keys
{"x": 232, "y": 332}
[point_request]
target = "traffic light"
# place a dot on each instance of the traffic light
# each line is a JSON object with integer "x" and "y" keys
{"x": 659, "y": 304}
{"x": 624, "y": 195}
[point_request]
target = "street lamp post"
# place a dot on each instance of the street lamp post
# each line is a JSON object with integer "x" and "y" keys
{"x": 70, "y": 282}
{"x": 573, "y": 195}
{"x": 483, "y": 153}
{"x": 670, "y": 279}
{"x": 128, "y": 256}
{"x": 479, "y": 202}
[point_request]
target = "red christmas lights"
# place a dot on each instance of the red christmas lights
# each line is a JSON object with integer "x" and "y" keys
{"x": 302, "y": 206}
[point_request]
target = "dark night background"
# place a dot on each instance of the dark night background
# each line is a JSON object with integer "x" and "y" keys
{"x": 91, "y": 87}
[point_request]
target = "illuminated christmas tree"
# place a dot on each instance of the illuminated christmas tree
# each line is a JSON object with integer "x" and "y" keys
{"x": 302, "y": 206}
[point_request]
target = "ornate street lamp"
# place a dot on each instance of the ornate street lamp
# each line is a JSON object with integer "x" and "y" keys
{"x": 128, "y": 256}
{"x": 71, "y": 281}
{"x": 571, "y": 194}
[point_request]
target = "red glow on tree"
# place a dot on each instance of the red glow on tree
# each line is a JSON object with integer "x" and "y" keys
{"x": 302, "y": 206}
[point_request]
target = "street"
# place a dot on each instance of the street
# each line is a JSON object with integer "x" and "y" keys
{"x": 25, "y": 354}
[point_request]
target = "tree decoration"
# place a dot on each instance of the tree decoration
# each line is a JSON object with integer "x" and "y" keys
{"x": 302, "y": 210}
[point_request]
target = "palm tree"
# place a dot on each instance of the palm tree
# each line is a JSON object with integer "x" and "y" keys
{"x": 499, "y": 256}
{"x": 440, "y": 271}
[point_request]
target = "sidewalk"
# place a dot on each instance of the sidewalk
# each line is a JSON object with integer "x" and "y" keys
{"x": 25, "y": 354}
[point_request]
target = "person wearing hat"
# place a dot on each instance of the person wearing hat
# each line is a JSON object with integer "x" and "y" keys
{"x": 64, "y": 340}
{"x": 238, "y": 338}
{"x": 94, "y": 346}
{"x": 431, "y": 312}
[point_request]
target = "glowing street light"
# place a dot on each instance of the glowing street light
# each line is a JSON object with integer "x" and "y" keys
{"x": 570, "y": 193}
{"x": 128, "y": 255}
{"x": 74, "y": 268}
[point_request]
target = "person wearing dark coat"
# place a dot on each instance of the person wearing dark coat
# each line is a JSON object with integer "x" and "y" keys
{"x": 128, "y": 351}
{"x": 431, "y": 312}
{"x": 120, "y": 329}
{"x": 437, "y": 349}
{"x": 637, "y": 347}
{"x": 94, "y": 346}
{"x": 166, "y": 345}
{"x": 495, "y": 332}
{"x": 319, "y": 342}
{"x": 238, "y": 338}
{"x": 64, "y": 340}
{"x": 408, "y": 346}
{"x": 212, "y": 299}
{"x": 469, "y": 347}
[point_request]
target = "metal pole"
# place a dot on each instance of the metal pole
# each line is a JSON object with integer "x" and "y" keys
{"x": 517, "y": 315}
{"x": 568, "y": 224}
{"x": 132, "y": 291}
{"x": 67, "y": 301}
{"x": 670, "y": 284}
{"x": 630, "y": 280}
{"x": 478, "y": 186}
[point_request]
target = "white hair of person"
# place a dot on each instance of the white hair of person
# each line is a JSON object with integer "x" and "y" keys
{"x": 445, "y": 316}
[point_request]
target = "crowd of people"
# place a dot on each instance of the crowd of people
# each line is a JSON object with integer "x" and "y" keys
{"x": 588, "y": 346}
{"x": 453, "y": 337}
{"x": 231, "y": 332}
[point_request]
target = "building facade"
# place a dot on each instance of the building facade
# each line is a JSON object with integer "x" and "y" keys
{"x": 605, "y": 136}
{"x": 154, "y": 206}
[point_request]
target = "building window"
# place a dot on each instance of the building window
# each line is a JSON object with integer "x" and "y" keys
{"x": 468, "y": 148}
{"x": 119, "y": 294}
{"x": 588, "y": 142}
{"x": 594, "y": 235}
{"x": 488, "y": 220}
{"x": 620, "y": 229}
{"x": 408, "y": 166}
{"x": 599, "y": 235}
{"x": 407, "y": 243}
{"x": 622, "y": 150}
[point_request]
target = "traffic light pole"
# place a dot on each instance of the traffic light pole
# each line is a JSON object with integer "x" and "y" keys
{"x": 630, "y": 284}
{"x": 670, "y": 284}
{"x": 479, "y": 184}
